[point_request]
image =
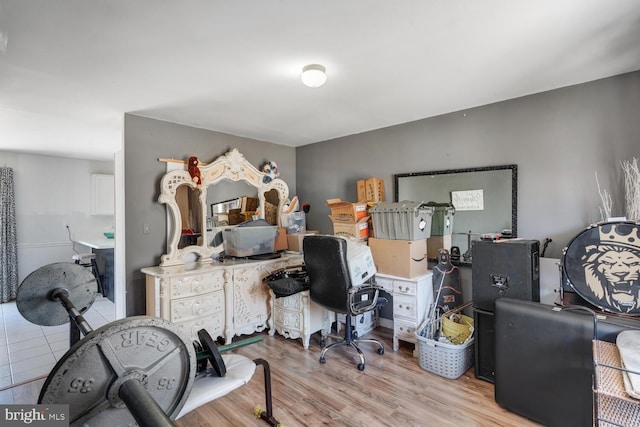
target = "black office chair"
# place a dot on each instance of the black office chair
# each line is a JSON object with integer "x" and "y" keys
{"x": 327, "y": 265}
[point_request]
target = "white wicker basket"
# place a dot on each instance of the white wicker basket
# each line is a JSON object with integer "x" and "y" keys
{"x": 447, "y": 360}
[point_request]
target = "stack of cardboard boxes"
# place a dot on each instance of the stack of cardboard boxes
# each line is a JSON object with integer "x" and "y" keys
{"x": 371, "y": 190}
{"x": 349, "y": 219}
{"x": 400, "y": 245}
{"x": 352, "y": 220}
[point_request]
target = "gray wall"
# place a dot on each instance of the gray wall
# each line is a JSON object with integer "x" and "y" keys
{"x": 558, "y": 139}
{"x": 146, "y": 140}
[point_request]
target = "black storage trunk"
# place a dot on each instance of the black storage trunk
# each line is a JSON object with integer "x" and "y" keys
{"x": 544, "y": 360}
{"x": 509, "y": 268}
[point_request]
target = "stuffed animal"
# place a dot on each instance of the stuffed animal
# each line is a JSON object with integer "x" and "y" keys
{"x": 270, "y": 169}
{"x": 194, "y": 171}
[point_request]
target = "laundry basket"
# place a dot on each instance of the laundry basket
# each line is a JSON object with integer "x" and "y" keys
{"x": 441, "y": 356}
{"x": 447, "y": 360}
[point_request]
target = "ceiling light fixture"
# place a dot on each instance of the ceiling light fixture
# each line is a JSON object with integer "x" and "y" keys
{"x": 314, "y": 75}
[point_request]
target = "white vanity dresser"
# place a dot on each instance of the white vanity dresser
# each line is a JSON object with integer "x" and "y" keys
{"x": 228, "y": 298}
{"x": 225, "y": 298}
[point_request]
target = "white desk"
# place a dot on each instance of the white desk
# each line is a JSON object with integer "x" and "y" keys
{"x": 97, "y": 242}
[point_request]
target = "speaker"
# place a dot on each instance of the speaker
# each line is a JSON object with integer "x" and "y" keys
{"x": 484, "y": 345}
{"x": 505, "y": 268}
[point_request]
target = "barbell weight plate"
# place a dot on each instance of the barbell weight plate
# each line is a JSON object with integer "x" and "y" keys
{"x": 146, "y": 349}
{"x": 34, "y": 293}
{"x": 201, "y": 364}
{"x": 210, "y": 347}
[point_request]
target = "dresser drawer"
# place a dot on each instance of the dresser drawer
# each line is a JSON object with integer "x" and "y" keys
{"x": 404, "y": 330}
{"x": 288, "y": 320}
{"x": 214, "y": 324}
{"x": 402, "y": 287}
{"x": 386, "y": 283}
{"x": 202, "y": 305}
{"x": 405, "y": 306}
{"x": 292, "y": 302}
{"x": 185, "y": 286}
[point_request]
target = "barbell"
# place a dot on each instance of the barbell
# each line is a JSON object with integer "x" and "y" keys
{"x": 137, "y": 369}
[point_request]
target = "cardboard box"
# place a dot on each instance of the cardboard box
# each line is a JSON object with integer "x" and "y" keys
{"x": 356, "y": 230}
{"x": 371, "y": 190}
{"x": 235, "y": 217}
{"x": 271, "y": 213}
{"x": 281, "y": 240}
{"x": 248, "y": 204}
{"x": 435, "y": 243}
{"x": 402, "y": 258}
{"x": 294, "y": 241}
{"x": 347, "y": 211}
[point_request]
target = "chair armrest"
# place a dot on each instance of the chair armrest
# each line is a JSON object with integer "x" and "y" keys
{"x": 358, "y": 305}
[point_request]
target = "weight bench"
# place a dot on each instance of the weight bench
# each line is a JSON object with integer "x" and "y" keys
{"x": 206, "y": 388}
{"x": 240, "y": 370}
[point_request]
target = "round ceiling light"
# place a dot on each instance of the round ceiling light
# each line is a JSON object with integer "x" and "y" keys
{"x": 314, "y": 75}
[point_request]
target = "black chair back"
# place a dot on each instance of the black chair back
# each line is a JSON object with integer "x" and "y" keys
{"x": 325, "y": 258}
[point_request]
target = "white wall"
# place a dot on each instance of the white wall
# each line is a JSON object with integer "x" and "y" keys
{"x": 51, "y": 192}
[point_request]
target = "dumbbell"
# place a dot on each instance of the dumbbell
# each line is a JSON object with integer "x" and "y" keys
{"x": 137, "y": 369}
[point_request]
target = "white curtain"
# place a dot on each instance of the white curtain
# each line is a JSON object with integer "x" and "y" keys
{"x": 8, "y": 239}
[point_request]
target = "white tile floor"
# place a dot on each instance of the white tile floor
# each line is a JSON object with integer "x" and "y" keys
{"x": 28, "y": 351}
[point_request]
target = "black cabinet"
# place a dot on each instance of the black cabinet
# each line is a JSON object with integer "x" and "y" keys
{"x": 104, "y": 260}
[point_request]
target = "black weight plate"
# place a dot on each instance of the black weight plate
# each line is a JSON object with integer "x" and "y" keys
{"x": 201, "y": 365}
{"x": 89, "y": 375}
{"x": 34, "y": 294}
{"x": 209, "y": 345}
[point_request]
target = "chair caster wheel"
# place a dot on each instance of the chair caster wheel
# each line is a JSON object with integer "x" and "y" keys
{"x": 381, "y": 350}
{"x": 360, "y": 366}
{"x": 323, "y": 360}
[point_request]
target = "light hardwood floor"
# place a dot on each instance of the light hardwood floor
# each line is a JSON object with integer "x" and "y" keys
{"x": 392, "y": 391}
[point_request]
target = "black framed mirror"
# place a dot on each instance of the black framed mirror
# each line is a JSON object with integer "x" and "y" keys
{"x": 485, "y": 198}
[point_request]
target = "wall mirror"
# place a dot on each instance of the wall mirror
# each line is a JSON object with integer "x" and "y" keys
{"x": 189, "y": 204}
{"x": 485, "y": 199}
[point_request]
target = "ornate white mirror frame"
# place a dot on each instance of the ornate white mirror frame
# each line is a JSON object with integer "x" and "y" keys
{"x": 232, "y": 167}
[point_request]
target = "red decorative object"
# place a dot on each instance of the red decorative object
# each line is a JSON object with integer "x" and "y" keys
{"x": 194, "y": 171}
